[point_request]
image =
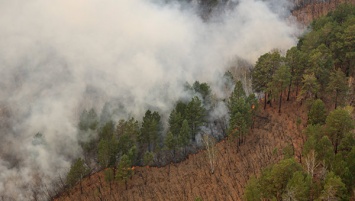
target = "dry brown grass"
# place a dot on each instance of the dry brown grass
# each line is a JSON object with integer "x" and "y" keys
{"x": 192, "y": 178}
{"x": 310, "y": 12}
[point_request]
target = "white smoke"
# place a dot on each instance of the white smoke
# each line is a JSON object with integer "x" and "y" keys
{"x": 60, "y": 56}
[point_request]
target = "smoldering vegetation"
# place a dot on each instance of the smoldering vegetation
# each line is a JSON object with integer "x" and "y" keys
{"x": 60, "y": 57}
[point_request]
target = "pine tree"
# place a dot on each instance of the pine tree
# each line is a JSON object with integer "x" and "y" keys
{"x": 148, "y": 158}
{"x": 150, "y": 131}
{"x": 129, "y": 128}
{"x": 107, "y": 131}
{"x": 298, "y": 187}
{"x": 338, "y": 87}
{"x": 310, "y": 87}
{"x": 252, "y": 190}
{"x": 184, "y": 135}
{"x": 109, "y": 177}
{"x": 338, "y": 123}
{"x": 127, "y": 133}
{"x": 317, "y": 114}
{"x": 124, "y": 170}
{"x": 238, "y": 93}
{"x": 107, "y": 151}
{"x": 297, "y": 63}
{"x": 171, "y": 143}
{"x": 195, "y": 115}
{"x": 321, "y": 62}
{"x": 181, "y": 108}
{"x": 77, "y": 171}
{"x": 88, "y": 120}
{"x": 350, "y": 160}
{"x": 334, "y": 188}
{"x": 274, "y": 180}
{"x": 324, "y": 150}
{"x": 175, "y": 122}
{"x": 203, "y": 89}
{"x": 240, "y": 112}
{"x": 263, "y": 71}
{"x": 349, "y": 44}
{"x": 280, "y": 81}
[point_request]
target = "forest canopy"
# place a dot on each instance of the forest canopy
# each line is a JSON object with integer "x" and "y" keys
{"x": 319, "y": 71}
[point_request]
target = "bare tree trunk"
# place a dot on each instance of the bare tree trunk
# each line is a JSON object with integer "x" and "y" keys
{"x": 209, "y": 142}
{"x": 110, "y": 187}
{"x": 280, "y": 102}
{"x": 336, "y": 146}
{"x": 289, "y": 89}
{"x": 311, "y": 163}
{"x": 100, "y": 193}
{"x": 336, "y": 99}
{"x": 81, "y": 186}
{"x": 169, "y": 172}
{"x": 265, "y": 101}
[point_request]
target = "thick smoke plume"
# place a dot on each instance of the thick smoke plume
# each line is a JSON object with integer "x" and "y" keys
{"x": 58, "y": 57}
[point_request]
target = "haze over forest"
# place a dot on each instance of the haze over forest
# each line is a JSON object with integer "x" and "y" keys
{"x": 60, "y": 57}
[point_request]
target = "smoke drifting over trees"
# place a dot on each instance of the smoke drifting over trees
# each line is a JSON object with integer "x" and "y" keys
{"x": 60, "y": 57}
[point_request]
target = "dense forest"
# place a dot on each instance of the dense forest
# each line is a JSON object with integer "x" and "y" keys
{"x": 318, "y": 73}
{"x": 129, "y": 142}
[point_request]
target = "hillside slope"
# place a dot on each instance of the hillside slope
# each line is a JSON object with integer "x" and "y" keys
{"x": 192, "y": 178}
{"x": 307, "y": 11}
